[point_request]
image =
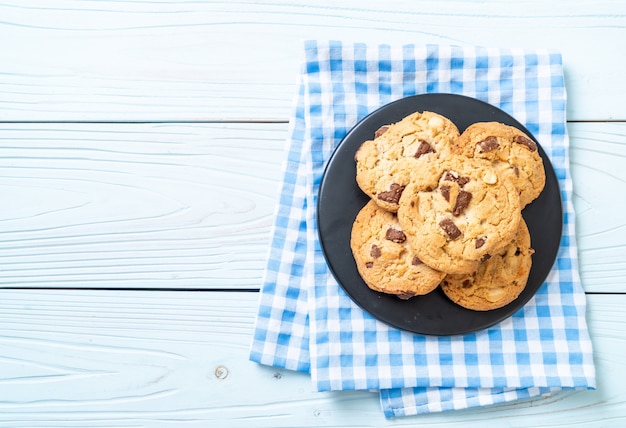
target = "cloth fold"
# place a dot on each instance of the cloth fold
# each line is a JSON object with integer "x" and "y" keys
{"x": 307, "y": 323}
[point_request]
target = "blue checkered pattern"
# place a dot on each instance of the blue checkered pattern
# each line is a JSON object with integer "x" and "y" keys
{"x": 307, "y": 323}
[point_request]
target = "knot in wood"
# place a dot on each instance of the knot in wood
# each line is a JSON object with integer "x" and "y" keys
{"x": 221, "y": 372}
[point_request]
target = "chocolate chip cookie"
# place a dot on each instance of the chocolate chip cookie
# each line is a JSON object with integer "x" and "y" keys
{"x": 385, "y": 164}
{"x": 458, "y": 216}
{"x": 497, "y": 281}
{"x": 383, "y": 257}
{"x": 511, "y": 151}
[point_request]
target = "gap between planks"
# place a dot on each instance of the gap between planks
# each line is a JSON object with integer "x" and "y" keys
{"x": 143, "y": 122}
{"x": 212, "y": 290}
{"x": 209, "y": 290}
{"x": 203, "y": 121}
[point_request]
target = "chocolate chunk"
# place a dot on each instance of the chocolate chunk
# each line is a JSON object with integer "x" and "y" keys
{"x": 518, "y": 251}
{"x": 462, "y": 201}
{"x": 423, "y": 149}
{"x": 530, "y": 144}
{"x": 375, "y": 251}
{"x": 405, "y": 296}
{"x": 515, "y": 170}
{"x": 463, "y": 181}
{"x": 467, "y": 283}
{"x": 369, "y": 265}
{"x": 395, "y": 235}
{"x": 450, "y": 228}
{"x": 393, "y": 195}
{"x": 485, "y": 257}
{"x": 445, "y": 192}
{"x": 488, "y": 144}
{"x": 449, "y": 176}
{"x": 480, "y": 242}
{"x": 380, "y": 131}
{"x": 416, "y": 261}
{"x": 452, "y": 176}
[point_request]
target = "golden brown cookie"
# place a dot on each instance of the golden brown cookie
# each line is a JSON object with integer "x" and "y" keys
{"x": 385, "y": 164}
{"x": 463, "y": 213}
{"x": 512, "y": 151}
{"x": 498, "y": 281}
{"x": 383, "y": 257}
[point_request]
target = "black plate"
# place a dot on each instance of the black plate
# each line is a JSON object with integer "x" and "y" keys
{"x": 340, "y": 200}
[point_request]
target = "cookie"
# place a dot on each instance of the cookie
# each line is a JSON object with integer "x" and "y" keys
{"x": 498, "y": 281}
{"x": 460, "y": 215}
{"x": 383, "y": 257}
{"x": 511, "y": 151}
{"x": 385, "y": 164}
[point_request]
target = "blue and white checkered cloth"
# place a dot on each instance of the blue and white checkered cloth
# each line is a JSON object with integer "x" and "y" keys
{"x": 307, "y": 323}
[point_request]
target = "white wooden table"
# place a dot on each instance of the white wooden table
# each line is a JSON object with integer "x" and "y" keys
{"x": 140, "y": 152}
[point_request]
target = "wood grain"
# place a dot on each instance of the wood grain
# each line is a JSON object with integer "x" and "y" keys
{"x": 189, "y": 60}
{"x": 157, "y": 359}
{"x": 191, "y": 205}
{"x": 597, "y": 157}
{"x": 138, "y": 206}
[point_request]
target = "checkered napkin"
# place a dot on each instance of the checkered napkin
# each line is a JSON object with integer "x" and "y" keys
{"x": 307, "y": 323}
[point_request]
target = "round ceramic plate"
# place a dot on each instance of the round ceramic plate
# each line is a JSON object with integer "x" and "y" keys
{"x": 340, "y": 200}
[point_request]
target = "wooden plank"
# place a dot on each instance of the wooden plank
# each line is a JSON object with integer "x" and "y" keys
{"x": 190, "y": 205}
{"x": 140, "y": 206}
{"x": 190, "y": 60}
{"x": 138, "y": 358}
{"x": 598, "y": 154}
